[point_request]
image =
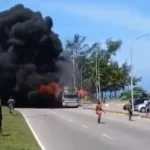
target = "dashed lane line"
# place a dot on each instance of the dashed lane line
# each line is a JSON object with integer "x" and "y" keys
{"x": 105, "y": 135}
{"x": 84, "y": 126}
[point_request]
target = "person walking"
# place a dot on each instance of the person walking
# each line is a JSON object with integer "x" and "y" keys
{"x": 11, "y": 103}
{"x": 147, "y": 108}
{"x": 130, "y": 110}
{"x": 99, "y": 111}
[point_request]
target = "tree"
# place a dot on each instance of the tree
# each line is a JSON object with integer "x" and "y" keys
{"x": 113, "y": 46}
{"x": 76, "y": 45}
{"x": 107, "y": 68}
{"x": 113, "y": 77}
{"x": 139, "y": 92}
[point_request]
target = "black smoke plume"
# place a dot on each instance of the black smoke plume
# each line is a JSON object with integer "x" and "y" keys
{"x": 29, "y": 53}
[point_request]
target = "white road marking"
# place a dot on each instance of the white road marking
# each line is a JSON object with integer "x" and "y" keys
{"x": 107, "y": 136}
{"x": 84, "y": 126}
{"x": 33, "y": 132}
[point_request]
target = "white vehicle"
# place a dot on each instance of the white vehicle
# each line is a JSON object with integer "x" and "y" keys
{"x": 142, "y": 107}
{"x": 70, "y": 97}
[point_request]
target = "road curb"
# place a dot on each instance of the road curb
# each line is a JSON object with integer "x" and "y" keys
{"x": 145, "y": 117}
{"x": 116, "y": 112}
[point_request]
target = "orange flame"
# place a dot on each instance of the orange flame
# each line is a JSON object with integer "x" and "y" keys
{"x": 51, "y": 88}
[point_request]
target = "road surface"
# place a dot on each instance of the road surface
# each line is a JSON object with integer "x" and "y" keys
{"x": 77, "y": 129}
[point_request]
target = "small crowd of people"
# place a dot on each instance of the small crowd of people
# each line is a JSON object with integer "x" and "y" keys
{"x": 99, "y": 109}
{"x": 11, "y": 103}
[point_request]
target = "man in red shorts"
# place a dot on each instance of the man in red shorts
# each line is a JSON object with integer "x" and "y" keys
{"x": 99, "y": 111}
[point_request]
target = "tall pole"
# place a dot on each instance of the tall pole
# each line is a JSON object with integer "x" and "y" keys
{"x": 99, "y": 73}
{"x": 131, "y": 54}
{"x": 76, "y": 46}
{"x": 132, "y": 98}
{"x": 82, "y": 82}
{"x": 81, "y": 71}
{"x": 74, "y": 77}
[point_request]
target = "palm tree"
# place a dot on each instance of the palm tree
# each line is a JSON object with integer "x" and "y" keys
{"x": 113, "y": 77}
{"x": 76, "y": 45}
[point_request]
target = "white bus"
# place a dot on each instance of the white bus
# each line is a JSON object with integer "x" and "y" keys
{"x": 70, "y": 97}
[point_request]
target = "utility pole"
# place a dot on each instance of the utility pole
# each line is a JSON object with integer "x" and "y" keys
{"x": 74, "y": 77}
{"x": 131, "y": 54}
{"x": 97, "y": 74}
{"x": 81, "y": 72}
{"x": 132, "y": 97}
{"x": 75, "y": 49}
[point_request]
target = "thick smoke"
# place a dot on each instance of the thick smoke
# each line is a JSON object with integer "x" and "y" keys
{"x": 29, "y": 54}
{"x": 65, "y": 66}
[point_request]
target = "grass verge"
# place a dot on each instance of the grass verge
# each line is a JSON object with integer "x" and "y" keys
{"x": 16, "y": 133}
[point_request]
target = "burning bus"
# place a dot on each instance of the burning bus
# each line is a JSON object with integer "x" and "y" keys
{"x": 63, "y": 96}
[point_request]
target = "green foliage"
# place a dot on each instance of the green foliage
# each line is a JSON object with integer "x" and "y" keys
{"x": 112, "y": 76}
{"x": 139, "y": 92}
{"x": 18, "y": 135}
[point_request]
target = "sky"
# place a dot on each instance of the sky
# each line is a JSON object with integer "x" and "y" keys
{"x": 99, "y": 20}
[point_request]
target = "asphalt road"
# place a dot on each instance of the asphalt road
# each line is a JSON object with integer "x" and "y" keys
{"x": 77, "y": 129}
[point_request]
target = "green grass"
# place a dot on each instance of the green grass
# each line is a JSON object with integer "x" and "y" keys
{"x": 16, "y": 133}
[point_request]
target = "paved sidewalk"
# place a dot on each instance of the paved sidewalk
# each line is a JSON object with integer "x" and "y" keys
{"x": 111, "y": 107}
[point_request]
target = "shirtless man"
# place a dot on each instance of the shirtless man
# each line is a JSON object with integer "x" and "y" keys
{"x": 99, "y": 111}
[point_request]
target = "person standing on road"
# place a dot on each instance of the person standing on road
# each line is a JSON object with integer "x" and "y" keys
{"x": 11, "y": 103}
{"x": 130, "y": 110}
{"x": 147, "y": 108}
{"x": 99, "y": 111}
{"x": 1, "y": 118}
